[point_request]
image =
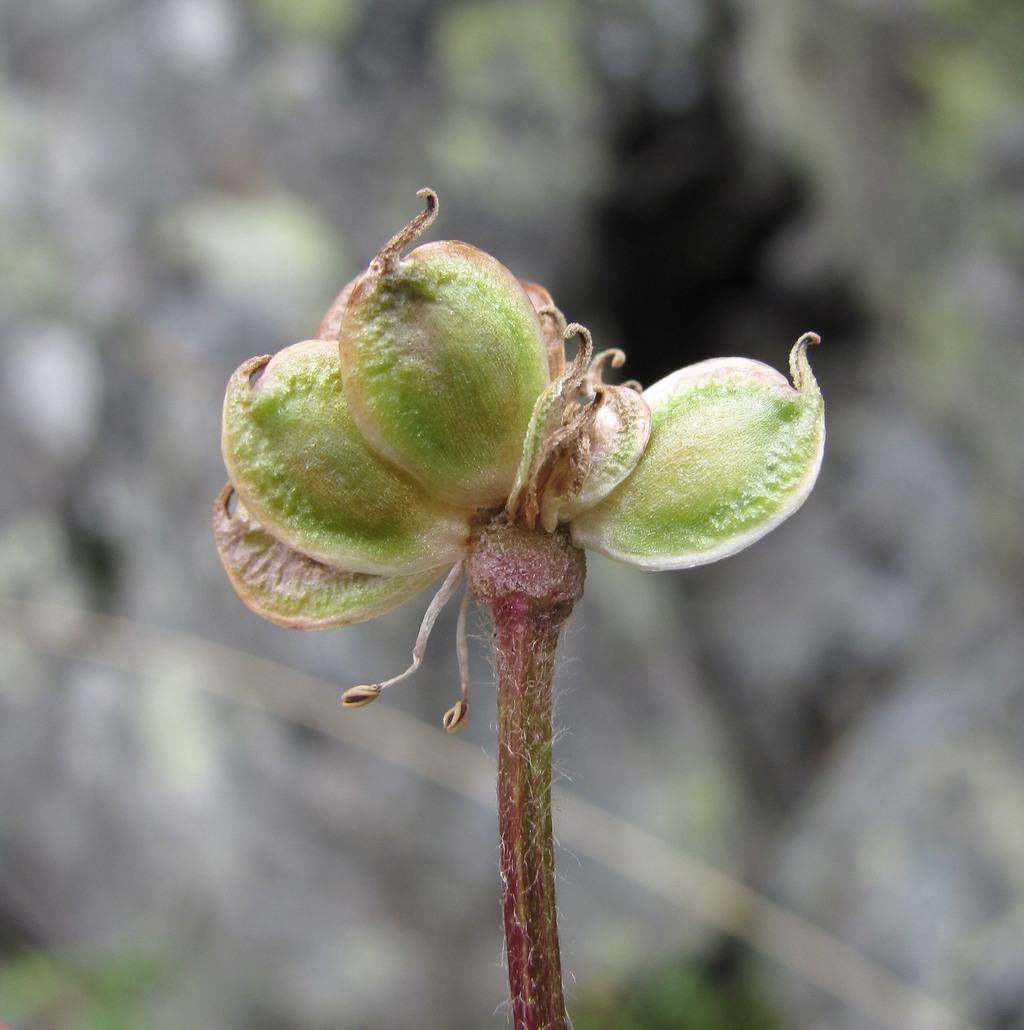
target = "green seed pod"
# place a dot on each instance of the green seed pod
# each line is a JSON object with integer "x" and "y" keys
{"x": 292, "y": 589}
{"x": 307, "y": 476}
{"x": 584, "y": 438}
{"x": 734, "y": 449}
{"x": 617, "y": 440}
{"x": 443, "y": 358}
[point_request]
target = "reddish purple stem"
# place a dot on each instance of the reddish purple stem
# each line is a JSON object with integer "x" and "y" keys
{"x": 529, "y": 581}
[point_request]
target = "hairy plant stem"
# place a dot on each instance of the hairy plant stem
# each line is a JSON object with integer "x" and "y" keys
{"x": 529, "y": 581}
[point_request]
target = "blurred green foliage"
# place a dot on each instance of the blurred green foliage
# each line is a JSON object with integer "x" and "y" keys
{"x": 322, "y": 20}
{"x": 113, "y": 992}
{"x": 513, "y": 73}
{"x": 267, "y": 252}
{"x": 685, "y": 994}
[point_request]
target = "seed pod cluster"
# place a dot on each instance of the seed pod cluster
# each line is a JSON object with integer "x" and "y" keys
{"x": 436, "y": 394}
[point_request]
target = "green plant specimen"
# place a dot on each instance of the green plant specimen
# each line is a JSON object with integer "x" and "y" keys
{"x": 434, "y": 423}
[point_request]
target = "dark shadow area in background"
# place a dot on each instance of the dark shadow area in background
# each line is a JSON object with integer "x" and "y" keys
{"x": 686, "y": 233}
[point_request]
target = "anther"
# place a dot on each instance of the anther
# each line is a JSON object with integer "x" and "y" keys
{"x": 455, "y": 718}
{"x": 358, "y": 697}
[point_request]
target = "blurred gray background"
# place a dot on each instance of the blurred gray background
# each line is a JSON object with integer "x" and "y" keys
{"x": 191, "y": 834}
